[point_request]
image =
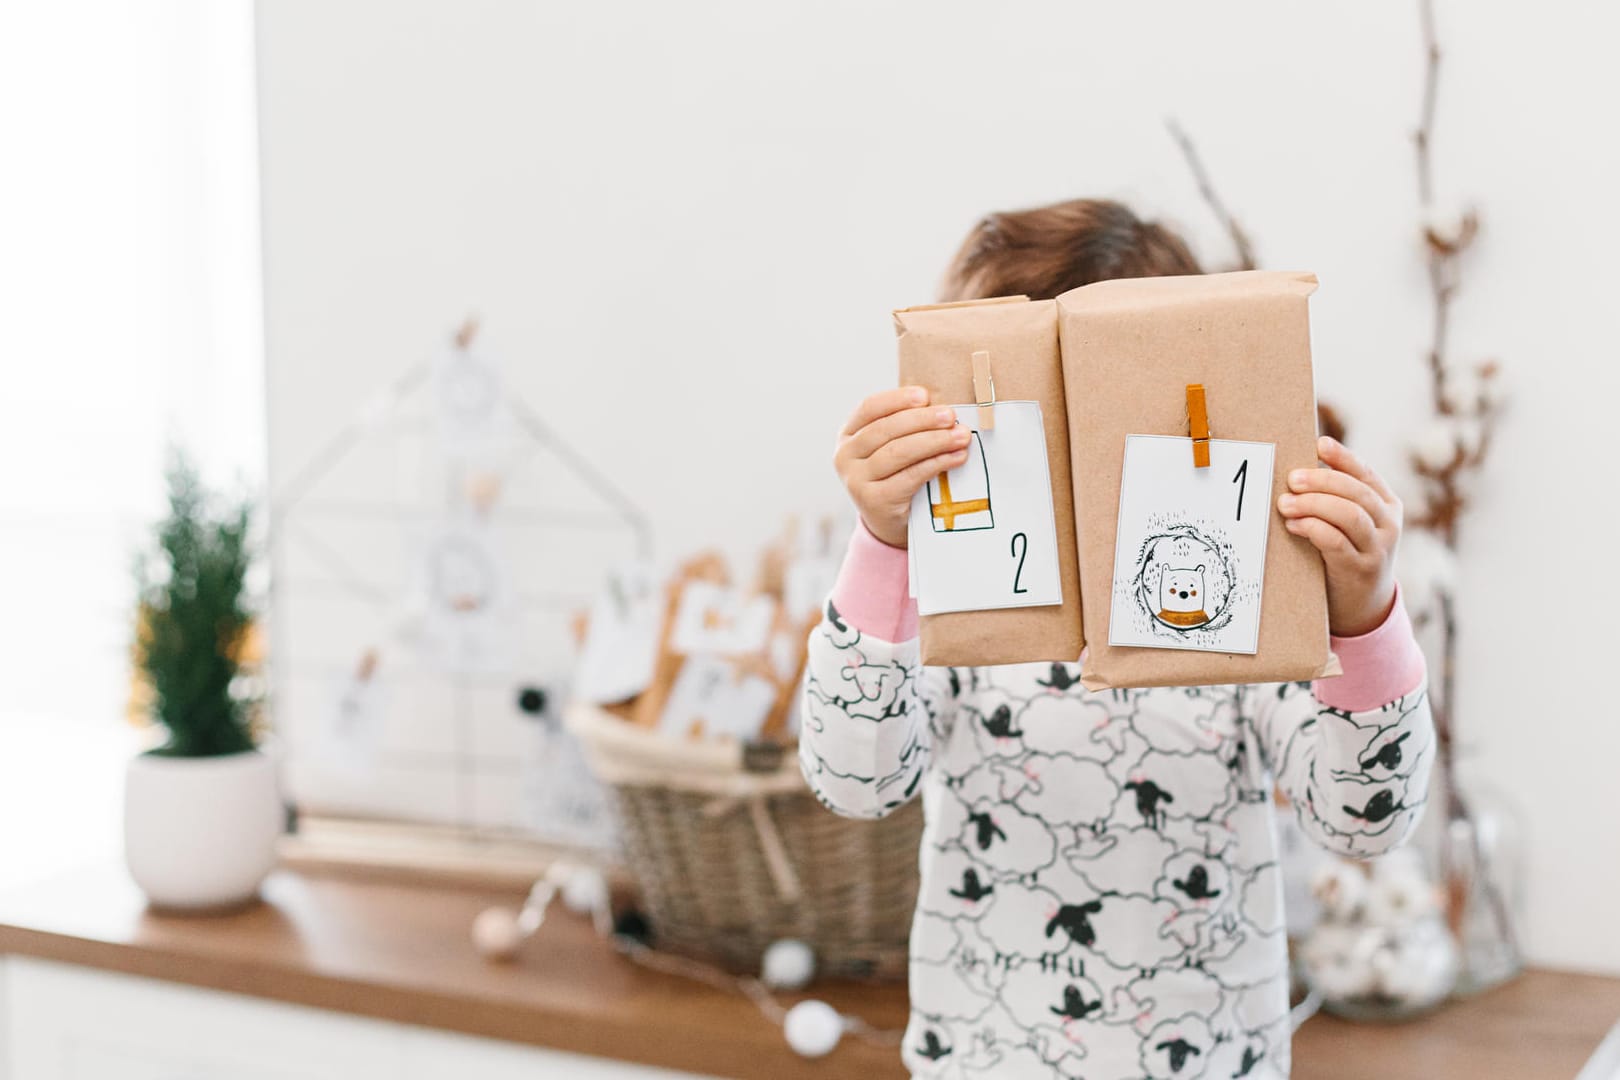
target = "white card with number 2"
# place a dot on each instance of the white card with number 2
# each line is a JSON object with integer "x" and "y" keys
{"x": 982, "y": 535}
{"x": 1190, "y": 558}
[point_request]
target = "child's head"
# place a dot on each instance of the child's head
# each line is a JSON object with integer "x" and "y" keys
{"x": 1042, "y": 252}
{"x": 1049, "y": 250}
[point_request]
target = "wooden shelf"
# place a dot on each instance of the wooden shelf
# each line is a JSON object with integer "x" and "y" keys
{"x": 402, "y": 952}
{"x": 1542, "y": 1026}
{"x": 398, "y": 951}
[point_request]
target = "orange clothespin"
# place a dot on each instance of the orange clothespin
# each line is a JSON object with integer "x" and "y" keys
{"x": 984, "y": 391}
{"x": 1198, "y": 424}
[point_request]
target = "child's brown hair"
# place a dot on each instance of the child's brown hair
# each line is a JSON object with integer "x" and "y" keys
{"x": 1042, "y": 252}
{"x": 1049, "y": 250}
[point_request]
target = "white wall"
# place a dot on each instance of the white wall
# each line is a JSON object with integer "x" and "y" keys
{"x": 129, "y": 269}
{"x": 686, "y": 225}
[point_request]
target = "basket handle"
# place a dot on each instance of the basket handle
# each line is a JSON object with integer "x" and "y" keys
{"x": 777, "y": 862}
{"x": 776, "y": 856}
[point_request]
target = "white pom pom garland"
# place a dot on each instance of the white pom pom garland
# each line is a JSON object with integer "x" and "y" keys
{"x": 813, "y": 1028}
{"x": 585, "y": 891}
{"x": 788, "y": 965}
{"x": 496, "y": 934}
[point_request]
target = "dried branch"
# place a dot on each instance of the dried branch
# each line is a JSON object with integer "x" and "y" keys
{"x": 1445, "y": 241}
{"x": 1431, "y": 94}
{"x": 1240, "y": 238}
{"x": 1441, "y": 248}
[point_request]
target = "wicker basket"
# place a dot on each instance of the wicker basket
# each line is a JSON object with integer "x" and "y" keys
{"x": 729, "y": 859}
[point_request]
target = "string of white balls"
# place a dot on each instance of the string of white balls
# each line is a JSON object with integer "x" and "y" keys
{"x": 812, "y": 1028}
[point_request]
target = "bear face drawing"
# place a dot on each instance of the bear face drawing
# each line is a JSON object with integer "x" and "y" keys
{"x": 1181, "y": 597}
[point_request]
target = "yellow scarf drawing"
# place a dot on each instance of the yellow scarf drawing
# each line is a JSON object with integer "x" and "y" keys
{"x": 951, "y": 514}
{"x": 947, "y": 509}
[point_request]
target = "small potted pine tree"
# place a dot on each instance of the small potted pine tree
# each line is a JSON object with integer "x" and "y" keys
{"x": 202, "y": 810}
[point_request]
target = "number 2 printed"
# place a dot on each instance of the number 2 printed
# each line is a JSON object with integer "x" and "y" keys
{"x": 1019, "y": 550}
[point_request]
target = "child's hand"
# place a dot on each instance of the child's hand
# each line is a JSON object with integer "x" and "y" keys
{"x": 891, "y": 446}
{"x": 1354, "y": 520}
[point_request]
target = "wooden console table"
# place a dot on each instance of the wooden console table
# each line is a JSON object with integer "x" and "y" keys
{"x": 402, "y": 953}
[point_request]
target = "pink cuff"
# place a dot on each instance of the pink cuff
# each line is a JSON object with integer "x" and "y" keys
{"x": 1379, "y": 666}
{"x": 870, "y": 593}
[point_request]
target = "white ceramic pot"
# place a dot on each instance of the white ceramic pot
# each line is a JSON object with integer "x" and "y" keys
{"x": 201, "y": 832}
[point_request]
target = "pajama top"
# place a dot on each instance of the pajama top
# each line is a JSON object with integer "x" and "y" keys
{"x": 1100, "y": 892}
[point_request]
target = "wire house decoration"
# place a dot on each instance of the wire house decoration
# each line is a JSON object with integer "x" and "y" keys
{"x": 425, "y": 563}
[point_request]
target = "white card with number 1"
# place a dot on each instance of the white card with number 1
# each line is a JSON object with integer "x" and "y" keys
{"x": 982, "y": 535}
{"x": 1190, "y": 558}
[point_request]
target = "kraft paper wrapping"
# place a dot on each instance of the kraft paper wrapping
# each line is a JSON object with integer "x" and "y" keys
{"x": 936, "y": 350}
{"x": 1130, "y": 347}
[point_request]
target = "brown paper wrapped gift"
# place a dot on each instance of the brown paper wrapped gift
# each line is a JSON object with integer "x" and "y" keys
{"x": 1130, "y": 349}
{"x": 937, "y": 344}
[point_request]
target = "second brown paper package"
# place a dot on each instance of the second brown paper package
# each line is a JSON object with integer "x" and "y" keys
{"x": 936, "y": 346}
{"x": 1130, "y": 348}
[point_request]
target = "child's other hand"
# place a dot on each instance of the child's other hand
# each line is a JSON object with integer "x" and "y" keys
{"x": 1354, "y": 520}
{"x": 892, "y": 444}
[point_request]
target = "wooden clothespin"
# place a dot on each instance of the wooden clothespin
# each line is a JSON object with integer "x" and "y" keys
{"x": 1198, "y": 424}
{"x": 984, "y": 391}
{"x": 466, "y": 332}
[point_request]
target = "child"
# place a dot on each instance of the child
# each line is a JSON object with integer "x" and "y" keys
{"x": 1100, "y": 893}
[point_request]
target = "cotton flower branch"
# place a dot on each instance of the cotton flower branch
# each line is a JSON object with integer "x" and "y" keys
{"x": 1466, "y": 402}
{"x": 1456, "y": 443}
{"x": 1466, "y": 405}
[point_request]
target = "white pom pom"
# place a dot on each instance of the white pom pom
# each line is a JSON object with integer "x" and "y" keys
{"x": 496, "y": 934}
{"x": 585, "y": 891}
{"x": 813, "y": 1028}
{"x": 1339, "y": 887}
{"x": 788, "y": 965}
{"x": 1437, "y": 446}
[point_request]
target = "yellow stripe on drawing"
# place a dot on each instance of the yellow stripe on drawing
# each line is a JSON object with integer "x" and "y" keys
{"x": 948, "y": 511}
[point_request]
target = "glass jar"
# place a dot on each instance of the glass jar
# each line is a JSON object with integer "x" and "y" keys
{"x": 1381, "y": 949}
{"x": 1483, "y": 855}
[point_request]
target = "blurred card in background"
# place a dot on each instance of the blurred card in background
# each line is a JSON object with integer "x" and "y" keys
{"x": 621, "y": 638}
{"x": 712, "y": 698}
{"x": 720, "y": 619}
